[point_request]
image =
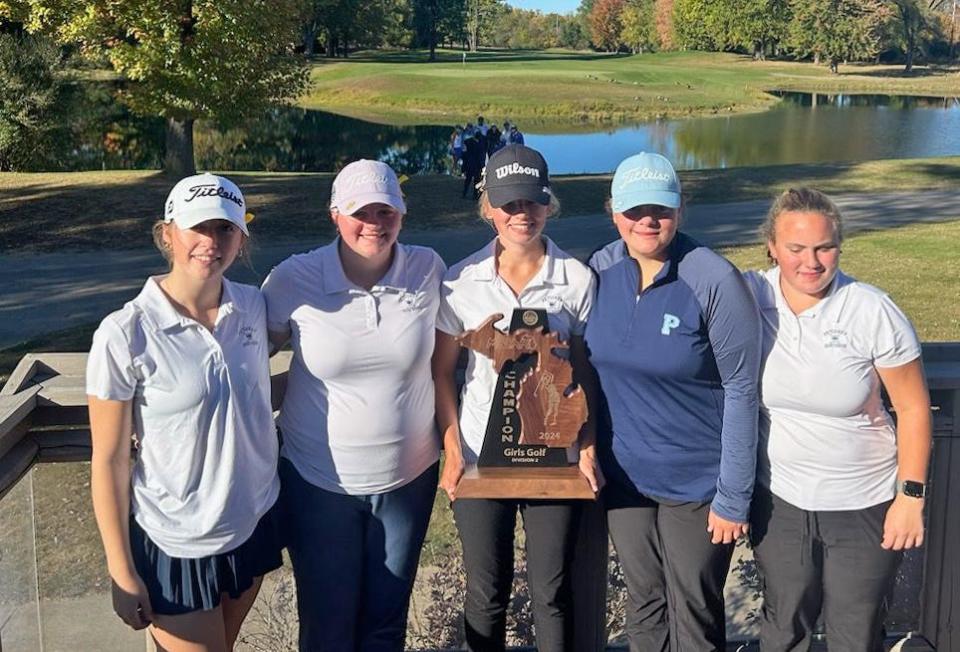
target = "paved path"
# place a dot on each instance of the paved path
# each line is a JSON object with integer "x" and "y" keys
{"x": 53, "y": 291}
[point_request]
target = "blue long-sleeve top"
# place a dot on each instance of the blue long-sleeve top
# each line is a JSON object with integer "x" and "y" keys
{"x": 678, "y": 365}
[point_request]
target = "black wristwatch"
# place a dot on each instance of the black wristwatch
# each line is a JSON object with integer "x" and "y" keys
{"x": 912, "y": 488}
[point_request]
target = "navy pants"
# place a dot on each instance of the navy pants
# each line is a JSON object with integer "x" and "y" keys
{"x": 354, "y": 559}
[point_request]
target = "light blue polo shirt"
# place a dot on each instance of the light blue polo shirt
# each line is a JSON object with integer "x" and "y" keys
{"x": 678, "y": 365}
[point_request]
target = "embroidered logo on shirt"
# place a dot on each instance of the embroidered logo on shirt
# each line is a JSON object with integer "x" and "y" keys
{"x": 246, "y": 336}
{"x": 835, "y": 338}
{"x": 410, "y": 301}
{"x": 554, "y": 304}
{"x": 669, "y": 323}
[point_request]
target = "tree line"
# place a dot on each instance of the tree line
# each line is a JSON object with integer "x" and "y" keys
{"x": 831, "y": 31}
{"x": 229, "y": 59}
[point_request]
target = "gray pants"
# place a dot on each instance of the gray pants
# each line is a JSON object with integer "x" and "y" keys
{"x": 674, "y": 575}
{"x": 810, "y": 561}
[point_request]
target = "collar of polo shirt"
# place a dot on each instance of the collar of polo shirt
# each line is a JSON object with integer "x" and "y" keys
{"x": 163, "y": 315}
{"x": 550, "y": 272}
{"x": 335, "y": 279}
{"x": 780, "y": 303}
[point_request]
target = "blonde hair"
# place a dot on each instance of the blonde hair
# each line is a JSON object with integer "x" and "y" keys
{"x": 484, "y": 206}
{"x": 799, "y": 200}
{"x": 246, "y": 245}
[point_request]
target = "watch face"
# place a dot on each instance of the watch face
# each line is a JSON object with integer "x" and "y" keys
{"x": 913, "y": 489}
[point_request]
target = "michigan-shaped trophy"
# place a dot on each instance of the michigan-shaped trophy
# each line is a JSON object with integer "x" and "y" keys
{"x": 536, "y": 414}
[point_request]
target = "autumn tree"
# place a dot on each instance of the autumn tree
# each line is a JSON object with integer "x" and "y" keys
{"x": 638, "y": 26}
{"x": 605, "y": 24}
{"x": 836, "y": 30}
{"x": 223, "y": 59}
{"x": 691, "y": 25}
{"x": 663, "y": 19}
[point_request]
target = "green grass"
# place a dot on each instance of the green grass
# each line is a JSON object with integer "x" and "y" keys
{"x": 566, "y": 87}
{"x": 102, "y": 210}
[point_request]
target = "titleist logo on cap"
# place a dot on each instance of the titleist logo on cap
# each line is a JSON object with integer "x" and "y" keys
{"x": 516, "y": 168}
{"x": 643, "y": 174}
{"x": 363, "y": 179}
{"x": 211, "y": 190}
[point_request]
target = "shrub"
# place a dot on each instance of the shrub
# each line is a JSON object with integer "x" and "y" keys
{"x": 31, "y": 89}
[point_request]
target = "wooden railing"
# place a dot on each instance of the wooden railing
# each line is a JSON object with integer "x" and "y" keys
{"x": 43, "y": 412}
{"x": 43, "y": 418}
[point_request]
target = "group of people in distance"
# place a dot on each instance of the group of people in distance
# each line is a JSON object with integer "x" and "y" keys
{"x": 470, "y": 146}
{"x": 723, "y": 405}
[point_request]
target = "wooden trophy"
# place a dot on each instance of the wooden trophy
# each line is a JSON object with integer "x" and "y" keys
{"x": 537, "y": 413}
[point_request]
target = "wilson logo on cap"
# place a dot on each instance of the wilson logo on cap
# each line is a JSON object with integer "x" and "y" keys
{"x": 516, "y": 168}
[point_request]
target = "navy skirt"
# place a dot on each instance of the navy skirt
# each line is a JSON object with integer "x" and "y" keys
{"x": 179, "y": 585}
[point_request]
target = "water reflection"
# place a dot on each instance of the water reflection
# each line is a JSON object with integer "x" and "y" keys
{"x": 299, "y": 140}
{"x": 97, "y": 133}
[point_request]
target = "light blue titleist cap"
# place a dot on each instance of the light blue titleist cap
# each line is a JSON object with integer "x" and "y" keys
{"x": 644, "y": 178}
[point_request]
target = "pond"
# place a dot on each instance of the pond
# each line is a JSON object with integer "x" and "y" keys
{"x": 801, "y": 128}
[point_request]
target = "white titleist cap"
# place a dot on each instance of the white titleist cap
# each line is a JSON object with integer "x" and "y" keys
{"x": 366, "y": 182}
{"x": 205, "y": 197}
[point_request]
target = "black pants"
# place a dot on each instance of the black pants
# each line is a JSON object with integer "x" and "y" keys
{"x": 832, "y": 561}
{"x": 486, "y": 529}
{"x": 674, "y": 575}
{"x": 471, "y": 177}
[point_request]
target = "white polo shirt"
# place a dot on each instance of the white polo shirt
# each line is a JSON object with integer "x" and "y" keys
{"x": 830, "y": 443}
{"x": 358, "y": 415}
{"x": 472, "y": 291}
{"x": 206, "y": 470}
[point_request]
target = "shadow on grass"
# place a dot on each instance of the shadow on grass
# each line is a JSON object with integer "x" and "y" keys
{"x": 53, "y": 212}
{"x": 887, "y": 72}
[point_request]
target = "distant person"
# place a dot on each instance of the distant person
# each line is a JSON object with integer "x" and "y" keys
{"x": 188, "y": 522}
{"x": 474, "y": 158}
{"x": 482, "y": 126}
{"x": 840, "y": 487}
{"x": 674, "y": 336}
{"x": 456, "y": 148}
{"x": 359, "y": 464}
{"x": 495, "y": 140}
{"x": 516, "y": 137}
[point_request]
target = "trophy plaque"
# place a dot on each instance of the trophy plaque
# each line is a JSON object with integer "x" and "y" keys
{"x": 536, "y": 414}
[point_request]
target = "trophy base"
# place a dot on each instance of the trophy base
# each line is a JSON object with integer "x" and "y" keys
{"x": 548, "y": 482}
